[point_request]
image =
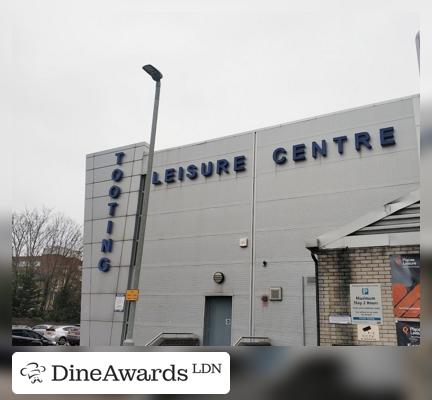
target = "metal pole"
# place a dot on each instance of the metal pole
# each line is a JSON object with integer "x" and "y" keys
{"x": 303, "y": 310}
{"x": 317, "y": 304}
{"x": 252, "y": 266}
{"x": 130, "y": 318}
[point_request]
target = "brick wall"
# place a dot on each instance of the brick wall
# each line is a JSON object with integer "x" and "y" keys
{"x": 337, "y": 269}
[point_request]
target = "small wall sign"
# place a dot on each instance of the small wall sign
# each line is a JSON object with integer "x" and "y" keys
{"x": 132, "y": 294}
{"x": 340, "y": 319}
{"x": 368, "y": 332}
{"x": 119, "y": 303}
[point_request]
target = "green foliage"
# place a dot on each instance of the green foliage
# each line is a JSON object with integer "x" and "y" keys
{"x": 26, "y": 294}
{"x": 67, "y": 305}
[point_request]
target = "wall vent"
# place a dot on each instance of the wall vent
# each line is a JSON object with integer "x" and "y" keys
{"x": 275, "y": 294}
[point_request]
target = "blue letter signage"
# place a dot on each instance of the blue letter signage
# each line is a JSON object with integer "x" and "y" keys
{"x": 205, "y": 169}
{"x": 361, "y": 141}
{"x": 114, "y": 192}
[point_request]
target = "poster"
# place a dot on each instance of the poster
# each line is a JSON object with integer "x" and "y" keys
{"x": 366, "y": 305}
{"x": 405, "y": 273}
{"x": 408, "y": 333}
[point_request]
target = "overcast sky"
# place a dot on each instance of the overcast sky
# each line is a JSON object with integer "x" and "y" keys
{"x": 234, "y": 66}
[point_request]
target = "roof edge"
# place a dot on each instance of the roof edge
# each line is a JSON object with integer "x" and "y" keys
{"x": 391, "y": 207}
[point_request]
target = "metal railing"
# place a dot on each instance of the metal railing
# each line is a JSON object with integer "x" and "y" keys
{"x": 162, "y": 336}
{"x": 253, "y": 341}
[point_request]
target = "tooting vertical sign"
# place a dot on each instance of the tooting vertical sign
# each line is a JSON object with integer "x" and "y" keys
{"x": 114, "y": 193}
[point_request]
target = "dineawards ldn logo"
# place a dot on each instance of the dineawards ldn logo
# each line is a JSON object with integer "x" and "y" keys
{"x": 121, "y": 372}
{"x": 33, "y": 371}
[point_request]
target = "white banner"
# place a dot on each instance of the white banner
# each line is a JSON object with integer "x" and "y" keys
{"x": 121, "y": 372}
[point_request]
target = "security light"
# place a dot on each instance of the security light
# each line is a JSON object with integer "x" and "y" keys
{"x": 218, "y": 277}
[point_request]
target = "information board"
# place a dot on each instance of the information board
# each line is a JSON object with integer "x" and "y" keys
{"x": 366, "y": 305}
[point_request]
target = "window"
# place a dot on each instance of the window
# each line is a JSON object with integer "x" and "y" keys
{"x": 27, "y": 263}
{"x": 20, "y": 332}
{"x": 33, "y": 335}
{"x": 68, "y": 328}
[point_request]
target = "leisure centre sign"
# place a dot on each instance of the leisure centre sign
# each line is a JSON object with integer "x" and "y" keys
{"x": 280, "y": 157}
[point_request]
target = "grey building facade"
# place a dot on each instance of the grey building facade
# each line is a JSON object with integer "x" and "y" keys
{"x": 244, "y": 205}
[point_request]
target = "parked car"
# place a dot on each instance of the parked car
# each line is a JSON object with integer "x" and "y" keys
{"x": 28, "y": 337}
{"x": 50, "y": 333}
{"x": 61, "y": 333}
{"x": 46, "y": 330}
{"x": 73, "y": 337}
{"x": 41, "y": 328}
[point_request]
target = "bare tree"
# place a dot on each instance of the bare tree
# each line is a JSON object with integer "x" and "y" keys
{"x": 29, "y": 234}
{"x": 64, "y": 245}
{"x": 49, "y": 245}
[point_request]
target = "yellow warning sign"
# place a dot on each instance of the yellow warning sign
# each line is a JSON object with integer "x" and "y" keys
{"x": 132, "y": 294}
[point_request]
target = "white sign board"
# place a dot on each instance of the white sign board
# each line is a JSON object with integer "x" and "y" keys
{"x": 366, "y": 305}
{"x": 340, "y": 319}
{"x": 119, "y": 303}
{"x": 369, "y": 333}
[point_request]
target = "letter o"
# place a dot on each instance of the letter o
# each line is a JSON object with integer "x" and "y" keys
{"x": 114, "y": 192}
{"x": 117, "y": 175}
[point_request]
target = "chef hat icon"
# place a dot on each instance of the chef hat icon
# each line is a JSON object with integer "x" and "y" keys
{"x": 32, "y": 371}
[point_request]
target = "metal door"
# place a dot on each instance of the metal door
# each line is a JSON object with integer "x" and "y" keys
{"x": 217, "y": 321}
{"x": 309, "y": 311}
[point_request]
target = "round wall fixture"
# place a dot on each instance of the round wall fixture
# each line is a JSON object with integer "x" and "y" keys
{"x": 218, "y": 277}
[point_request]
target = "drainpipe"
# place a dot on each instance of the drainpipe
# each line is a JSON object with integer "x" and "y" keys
{"x": 313, "y": 255}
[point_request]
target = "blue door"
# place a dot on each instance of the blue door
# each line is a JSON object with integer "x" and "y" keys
{"x": 217, "y": 321}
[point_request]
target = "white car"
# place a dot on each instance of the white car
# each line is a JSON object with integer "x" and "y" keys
{"x": 41, "y": 329}
{"x": 61, "y": 333}
{"x": 47, "y": 331}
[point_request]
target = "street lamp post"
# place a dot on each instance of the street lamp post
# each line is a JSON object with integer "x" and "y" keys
{"x": 136, "y": 269}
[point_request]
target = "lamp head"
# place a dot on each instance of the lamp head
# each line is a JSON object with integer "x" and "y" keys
{"x": 153, "y": 72}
